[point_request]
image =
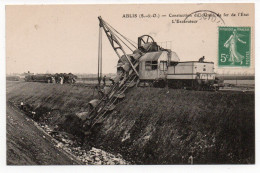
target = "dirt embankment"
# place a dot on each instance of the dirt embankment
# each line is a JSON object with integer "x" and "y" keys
{"x": 54, "y": 104}
{"x": 27, "y": 145}
{"x": 158, "y": 126}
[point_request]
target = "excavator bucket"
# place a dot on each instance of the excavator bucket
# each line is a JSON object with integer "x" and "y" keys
{"x": 119, "y": 95}
{"x": 126, "y": 67}
{"x": 104, "y": 91}
{"x": 93, "y": 103}
{"x": 131, "y": 84}
{"x": 110, "y": 107}
{"x": 85, "y": 114}
{"x": 82, "y": 115}
{"x": 116, "y": 79}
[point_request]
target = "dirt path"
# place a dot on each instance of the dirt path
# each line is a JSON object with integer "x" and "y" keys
{"x": 27, "y": 145}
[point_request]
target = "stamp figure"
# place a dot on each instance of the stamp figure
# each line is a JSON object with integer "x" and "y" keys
{"x": 234, "y": 46}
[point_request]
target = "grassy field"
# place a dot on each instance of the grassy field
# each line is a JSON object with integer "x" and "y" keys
{"x": 241, "y": 82}
{"x": 156, "y": 126}
{"x": 66, "y": 98}
{"x": 236, "y": 77}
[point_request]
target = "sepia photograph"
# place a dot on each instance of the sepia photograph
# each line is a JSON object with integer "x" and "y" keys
{"x": 130, "y": 84}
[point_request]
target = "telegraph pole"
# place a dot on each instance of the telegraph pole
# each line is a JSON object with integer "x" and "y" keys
{"x": 100, "y": 56}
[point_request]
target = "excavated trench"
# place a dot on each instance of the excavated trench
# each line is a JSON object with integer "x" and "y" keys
{"x": 68, "y": 136}
{"x": 150, "y": 126}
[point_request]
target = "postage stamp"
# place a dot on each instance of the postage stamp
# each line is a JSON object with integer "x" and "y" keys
{"x": 234, "y": 46}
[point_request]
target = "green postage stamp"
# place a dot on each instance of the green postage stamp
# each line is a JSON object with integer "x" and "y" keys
{"x": 234, "y": 46}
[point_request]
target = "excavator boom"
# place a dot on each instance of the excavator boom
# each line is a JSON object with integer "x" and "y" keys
{"x": 116, "y": 45}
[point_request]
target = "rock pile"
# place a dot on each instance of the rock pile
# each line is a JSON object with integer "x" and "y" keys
{"x": 94, "y": 156}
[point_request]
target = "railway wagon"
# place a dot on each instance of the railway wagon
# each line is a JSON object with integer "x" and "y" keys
{"x": 45, "y": 78}
{"x": 12, "y": 78}
{"x": 192, "y": 74}
{"x": 163, "y": 67}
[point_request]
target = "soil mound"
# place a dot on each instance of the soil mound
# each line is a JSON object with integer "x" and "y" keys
{"x": 160, "y": 126}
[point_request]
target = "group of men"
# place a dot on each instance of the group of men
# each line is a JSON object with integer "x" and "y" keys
{"x": 61, "y": 80}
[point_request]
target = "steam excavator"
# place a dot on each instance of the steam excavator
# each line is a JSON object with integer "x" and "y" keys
{"x": 127, "y": 75}
{"x": 148, "y": 64}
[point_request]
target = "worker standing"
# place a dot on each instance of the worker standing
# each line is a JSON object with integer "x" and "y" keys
{"x": 53, "y": 79}
{"x": 21, "y": 105}
{"x": 112, "y": 80}
{"x": 61, "y": 80}
{"x": 202, "y": 59}
{"x": 104, "y": 80}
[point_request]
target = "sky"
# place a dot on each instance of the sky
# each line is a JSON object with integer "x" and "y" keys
{"x": 64, "y": 38}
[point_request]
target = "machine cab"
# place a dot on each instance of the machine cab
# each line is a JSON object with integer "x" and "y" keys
{"x": 154, "y": 65}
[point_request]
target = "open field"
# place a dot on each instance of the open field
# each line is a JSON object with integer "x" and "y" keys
{"x": 241, "y": 82}
{"x": 244, "y": 81}
{"x": 154, "y": 126}
{"x": 92, "y": 81}
{"x": 236, "y": 77}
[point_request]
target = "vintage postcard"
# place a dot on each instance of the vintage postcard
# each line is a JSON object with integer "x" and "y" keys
{"x": 129, "y": 84}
